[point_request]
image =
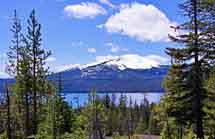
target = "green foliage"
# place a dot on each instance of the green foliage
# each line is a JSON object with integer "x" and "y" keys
{"x": 3, "y": 135}
{"x": 79, "y": 134}
{"x": 116, "y": 136}
{"x": 93, "y": 117}
{"x": 67, "y": 136}
{"x": 58, "y": 121}
{"x": 14, "y": 53}
{"x": 190, "y": 134}
{"x": 209, "y": 106}
{"x": 45, "y": 130}
{"x": 185, "y": 84}
{"x": 122, "y": 114}
{"x": 177, "y": 99}
{"x": 169, "y": 130}
{"x": 158, "y": 119}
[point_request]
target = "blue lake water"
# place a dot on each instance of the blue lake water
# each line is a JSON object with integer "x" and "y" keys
{"x": 80, "y": 99}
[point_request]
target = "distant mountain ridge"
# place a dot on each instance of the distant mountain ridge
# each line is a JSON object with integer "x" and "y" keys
{"x": 129, "y": 61}
{"x": 111, "y": 76}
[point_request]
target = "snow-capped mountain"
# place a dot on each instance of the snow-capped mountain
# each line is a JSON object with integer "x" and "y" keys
{"x": 128, "y": 73}
{"x": 128, "y": 61}
{"x": 115, "y": 74}
{"x": 132, "y": 61}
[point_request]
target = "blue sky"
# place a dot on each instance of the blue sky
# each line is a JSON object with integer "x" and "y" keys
{"x": 78, "y": 31}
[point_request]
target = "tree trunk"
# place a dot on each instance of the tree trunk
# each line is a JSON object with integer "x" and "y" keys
{"x": 9, "y": 131}
{"x": 26, "y": 115}
{"x": 34, "y": 92}
{"x": 199, "y": 122}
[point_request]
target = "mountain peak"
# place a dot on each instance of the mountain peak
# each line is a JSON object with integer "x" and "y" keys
{"x": 131, "y": 61}
{"x": 128, "y": 61}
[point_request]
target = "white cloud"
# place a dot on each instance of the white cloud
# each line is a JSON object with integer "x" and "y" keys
{"x": 84, "y": 10}
{"x": 100, "y": 59}
{"x": 3, "y": 66}
{"x": 50, "y": 59}
{"x": 140, "y": 21}
{"x": 91, "y": 50}
{"x": 115, "y": 48}
{"x": 108, "y": 3}
{"x": 100, "y": 26}
{"x": 79, "y": 44}
{"x": 157, "y": 58}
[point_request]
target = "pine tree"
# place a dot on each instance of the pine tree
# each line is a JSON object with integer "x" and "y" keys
{"x": 194, "y": 59}
{"x": 122, "y": 115}
{"x": 13, "y": 54}
{"x": 109, "y": 111}
{"x": 130, "y": 119}
{"x": 93, "y": 117}
{"x": 176, "y": 94}
{"x": 112, "y": 121}
{"x": 208, "y": 6}
{"x": 38, "y": 61}
{"x": 59, "y": 119}
{"x": 138, "y": 123}
{"x": 161, "y": 122}
{"x": 209, "y": 106}
{"x": 145, "y": 108}
{"x": 27, "y": 63}
{"x": 18, "y": 66}
{"x": 46, "y": 129}
{"x": 9, "y": 130}
{"x": 22, "y": 86}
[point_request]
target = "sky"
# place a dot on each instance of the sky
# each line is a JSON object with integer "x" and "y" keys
{"x": 84, "y": 31}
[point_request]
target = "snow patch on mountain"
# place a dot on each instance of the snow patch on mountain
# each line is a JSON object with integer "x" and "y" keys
{"x": 128, "y": 61}
{"x": 66, "y": 67}
{"x": 133, "y": 61}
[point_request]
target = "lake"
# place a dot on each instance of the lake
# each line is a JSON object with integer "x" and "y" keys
{"x": 80, "y": 99}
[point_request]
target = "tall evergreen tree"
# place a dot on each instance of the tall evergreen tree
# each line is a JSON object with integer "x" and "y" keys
{"x": 195, "y": 59}
{"x": 178, "y": 103}
{"x": 38, "y": 61}
{"x": 14, "y": 58}
{"x": 130, "y": 119}
{"x": 58, "y": 121}
{"x": 93, "y": 117}
{"x": 23, "y": 86}
{"x": 109, "y": 111}
{"x": 13, "y": 54}
{"x": 18, "y": 66}
{"x": 209, "y": 106}
{"x": 9, "y": 131}
{"x": 122, "y": 114}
